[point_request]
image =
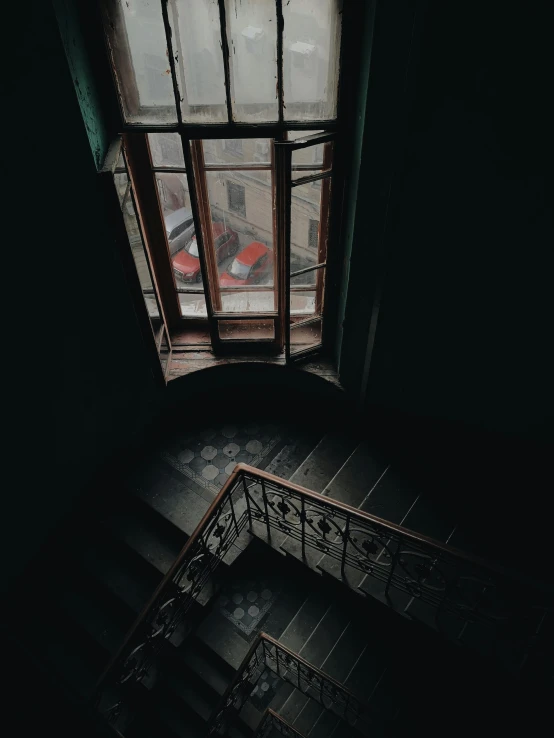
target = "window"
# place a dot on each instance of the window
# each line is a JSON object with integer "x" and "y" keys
{"x": 236, "y": 195}
{"x": 236, "y": 198}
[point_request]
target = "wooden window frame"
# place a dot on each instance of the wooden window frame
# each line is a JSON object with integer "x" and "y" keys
{"x": 191, "y": 135}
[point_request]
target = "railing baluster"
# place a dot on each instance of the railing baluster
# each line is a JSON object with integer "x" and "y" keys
{"x": 393, "y": 563}
{"x": 247, "y": 498}
{"x": 345, "y": 534}
{"x": 366, "y": 534}
{"x": 303, "y": 522}
{"x": 268, "y": 526}
{"x": 233, "y": 512}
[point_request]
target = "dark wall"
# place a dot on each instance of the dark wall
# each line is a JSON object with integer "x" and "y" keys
{"x": 465, "y": 324}
{"x": 83, "y": 383}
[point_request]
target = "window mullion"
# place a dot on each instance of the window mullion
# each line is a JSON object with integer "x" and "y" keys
{"x": 210, "y": 274}
{"x": 143, "y": 181}
{"x": 280, "y": 30}
{"x": 283, "y": 157}
{"x": 171, "y": 58}
{"x": 323, "y": 227}
{"x": 226, "y": 64}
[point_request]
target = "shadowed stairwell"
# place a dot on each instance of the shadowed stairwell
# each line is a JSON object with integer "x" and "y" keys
{"x": 273, "y": 577}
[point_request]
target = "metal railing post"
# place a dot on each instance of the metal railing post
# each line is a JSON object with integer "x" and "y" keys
{"x": 303, "y": 522}
{"x": 345, "y": 535}
{"x": 267, "y": 525}
{"x": 247, "y": 498}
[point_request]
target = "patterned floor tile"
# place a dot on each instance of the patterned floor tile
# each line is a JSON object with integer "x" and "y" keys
{"x": 210, "y": 455}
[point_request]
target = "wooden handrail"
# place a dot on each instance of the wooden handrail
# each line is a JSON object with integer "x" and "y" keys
{"x": 393, "y": 527}
{"x": 217, "y": 502}
{"x": 244, "y": 470}
{"x": 276, "y": 717}
{"x": 259, "y": 640}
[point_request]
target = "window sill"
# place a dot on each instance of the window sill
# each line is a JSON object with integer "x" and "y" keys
{"x": 186, "y": 359}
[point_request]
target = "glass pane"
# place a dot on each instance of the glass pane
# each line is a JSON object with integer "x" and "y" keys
{"x": 305, "y": 230}
{"x": 132, "y": 227}
{"x": 166, "y": 150}
{"x": 196, "y": 34}
{"x": 311, "y": 44}
{"x": 193, "y": 306}
{"x": 310, "y": 160}
{"x": 242, "y": 216}
{"x": 246, "y": 330}
{"x": 136, "y": 38}
{"x": 252, "y": 35}
{"x": 303, "y": 337}
{"x": 238, "y": 151}
{"x": 302, "y": 304}
{"x": 174, "y": 197}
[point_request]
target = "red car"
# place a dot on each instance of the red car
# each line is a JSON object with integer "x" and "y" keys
{"x": 249, "y": 266}
{"x": 186, "y": 263}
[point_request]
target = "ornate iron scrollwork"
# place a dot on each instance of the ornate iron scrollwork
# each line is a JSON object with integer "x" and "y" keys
{"x": 425, "y": 570}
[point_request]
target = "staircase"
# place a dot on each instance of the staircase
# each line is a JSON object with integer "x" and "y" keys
{"x": 355, "y": 634}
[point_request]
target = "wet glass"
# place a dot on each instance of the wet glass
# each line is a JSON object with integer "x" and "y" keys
{"x": 311, "y": 46}
{"x": 137, "y": 44}
{"x": 166, "y": 150}
{"x": 196, "y": 34}
{"x": 252, "y": 36}
{"x": 241, "y": 206}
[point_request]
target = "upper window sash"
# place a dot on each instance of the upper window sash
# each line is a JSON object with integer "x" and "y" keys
{"x": 224, "y": 61}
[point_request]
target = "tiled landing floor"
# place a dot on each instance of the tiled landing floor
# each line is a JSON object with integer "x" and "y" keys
{"x": 209, "y": 456}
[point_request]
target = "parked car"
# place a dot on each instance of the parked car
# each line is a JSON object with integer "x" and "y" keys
{"x": 179, "y": 227}
{"x": 248, "y": 267}
{"x": 186, "y": 264}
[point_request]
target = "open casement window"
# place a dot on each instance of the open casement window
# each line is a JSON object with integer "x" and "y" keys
{"x": 229, "y": 120}
{"x": 120, "y": 196}
{"x": 304, "y": 192}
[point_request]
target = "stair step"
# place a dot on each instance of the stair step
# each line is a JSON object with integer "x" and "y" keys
{"x": 326, "y": 634}
{"x": 358, "y": 476}
{"x": 148, "y": 534}
{"x": 346, "y": 651}
{"x": 325, "y": 724}
{"x": 297, "y": 581}
{"x": 325, "y": 460}
{"x": 179, "y": 504}
{"x": 127, "y": 575}
{"x": 94, "y": 615}
{"x": 430, "y": 519}
{"x": 305, "y": 621}
{"x": 308, "y": 716}
{"x": 174, "y": 715}
{"x": 351, "y": 485}
{"x": 367, "y": 671}
{"x": 191, "y": 694}
{"x": 203, "y": 667}
{"x": 219, "y": 635}
{"x": 175, "y": 500}
{"x": 147, "y": 726}
{"x": 315, "y": 650}
{"x": 391, "y": 498}
{"x": 296, "y": 450}
{"x": 68, "y": 650}
{"x": 421, "y": 516}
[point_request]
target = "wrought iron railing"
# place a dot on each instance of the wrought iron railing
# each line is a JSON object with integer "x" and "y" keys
{"x": 446, "y": 579}
{"x": 267, "y": 653}
{"x": 271, "y": 720}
